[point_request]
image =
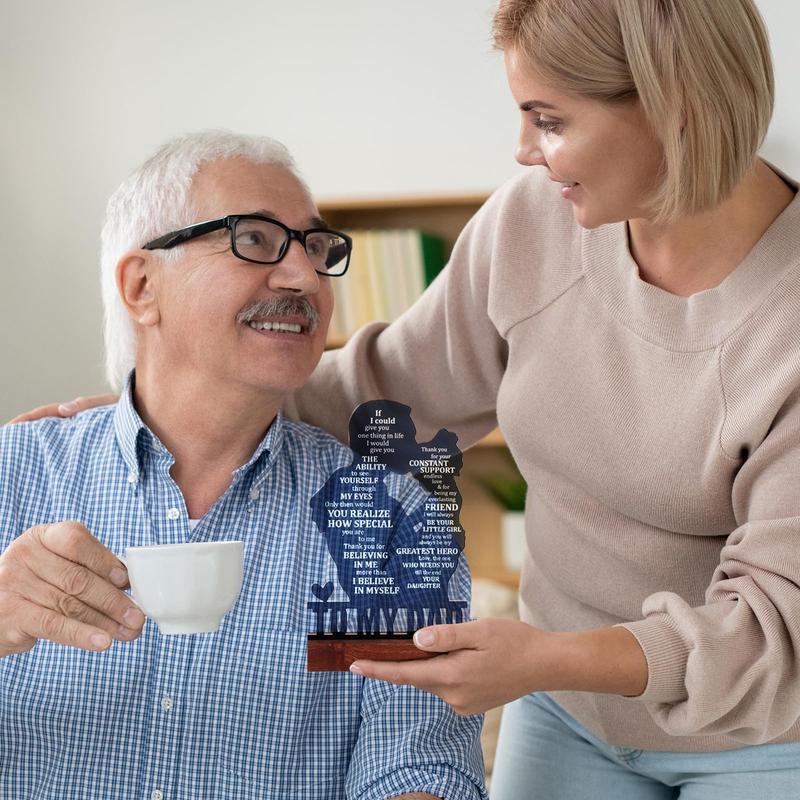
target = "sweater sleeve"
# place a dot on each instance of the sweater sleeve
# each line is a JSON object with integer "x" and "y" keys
{"x": 732, "y": 666}
{"x": 444, "y": 357}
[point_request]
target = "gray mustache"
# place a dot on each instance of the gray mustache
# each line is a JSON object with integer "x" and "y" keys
{"x": 281, "y": 306}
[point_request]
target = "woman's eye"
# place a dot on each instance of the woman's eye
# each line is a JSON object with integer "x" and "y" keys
{"x": 547, "y": 125}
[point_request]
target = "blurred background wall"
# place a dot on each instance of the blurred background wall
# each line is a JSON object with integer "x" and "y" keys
{"x": 372, "y": 97}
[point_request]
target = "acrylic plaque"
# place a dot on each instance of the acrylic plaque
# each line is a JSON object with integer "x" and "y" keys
{"x": 390, "y": 521}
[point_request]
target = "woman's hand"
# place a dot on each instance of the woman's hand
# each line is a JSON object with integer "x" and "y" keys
{"x": 490, "y": 662}
{"x": 486, "y": 663}
{"x": 66, "y": 409}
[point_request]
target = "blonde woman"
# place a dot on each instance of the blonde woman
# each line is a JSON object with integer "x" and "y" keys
{"x": 628, "y": 310}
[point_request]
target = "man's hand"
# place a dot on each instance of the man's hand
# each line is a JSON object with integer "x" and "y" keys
{"x": 66, "y": 409}
{"x": 58, "y": 582}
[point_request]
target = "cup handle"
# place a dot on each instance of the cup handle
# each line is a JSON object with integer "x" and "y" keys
{"x": 125, "y": 562}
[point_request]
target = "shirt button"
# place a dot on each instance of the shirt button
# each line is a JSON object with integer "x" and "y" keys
{"x": 133, "y": 477}
{"x": 166, "y": 703}
{"x": 173, "y": 513}
{"x": 254, "y": 494}
{"x": 156, "y": 794}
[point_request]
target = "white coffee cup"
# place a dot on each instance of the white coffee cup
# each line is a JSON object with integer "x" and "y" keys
{"x": 186, "y": 588}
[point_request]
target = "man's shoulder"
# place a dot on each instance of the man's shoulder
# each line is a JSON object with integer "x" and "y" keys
{"x": 47, "y": 438}
{"x": 316, "y": 443}
{"x": 38, "y": 459}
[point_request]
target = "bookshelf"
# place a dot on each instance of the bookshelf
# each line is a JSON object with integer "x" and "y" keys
{"x": 444, "y": 215}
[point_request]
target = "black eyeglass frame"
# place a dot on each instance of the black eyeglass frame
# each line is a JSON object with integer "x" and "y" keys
{"x": 174, "y": 238}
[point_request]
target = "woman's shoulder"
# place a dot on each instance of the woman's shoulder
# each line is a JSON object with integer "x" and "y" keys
{"x": 532, "y": 198}
{"x": 529, "y": 245}
{"x": 527, "y": 218}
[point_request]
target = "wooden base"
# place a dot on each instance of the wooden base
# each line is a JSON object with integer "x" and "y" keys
{"x": 337, "y": 653}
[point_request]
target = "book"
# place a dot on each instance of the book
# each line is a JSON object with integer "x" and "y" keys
{"x": 360, "y": 308}
{"x": 433, "y": 259}
{"x": 398, "y": 292}
{"x": 389, "y": 270}
{"x": 378, "y": 277}
{"x": 413, "y": 265}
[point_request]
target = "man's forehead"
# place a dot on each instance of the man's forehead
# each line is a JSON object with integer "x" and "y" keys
{"x": 313, "y": 221}
{"x": 239, "y": 186}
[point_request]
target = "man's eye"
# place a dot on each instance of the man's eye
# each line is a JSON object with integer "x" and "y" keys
{"x": 250, "y": 238}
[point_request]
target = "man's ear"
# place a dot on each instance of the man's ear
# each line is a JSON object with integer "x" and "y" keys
{"x": 137, "y": 288}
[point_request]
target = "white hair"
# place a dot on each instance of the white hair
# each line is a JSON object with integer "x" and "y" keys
{"x": 152, "y": 201}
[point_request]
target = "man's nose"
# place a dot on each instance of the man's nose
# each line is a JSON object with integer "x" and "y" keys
{"x": 294, "y": 273}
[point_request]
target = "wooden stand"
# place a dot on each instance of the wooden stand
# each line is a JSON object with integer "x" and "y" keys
{"x": 329, "y": 653}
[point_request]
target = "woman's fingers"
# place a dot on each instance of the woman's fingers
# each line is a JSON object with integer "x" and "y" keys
{"x": 66, "y": 409}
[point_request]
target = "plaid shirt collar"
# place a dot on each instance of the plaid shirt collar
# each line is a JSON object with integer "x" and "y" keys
{"x": 134, "y": 438}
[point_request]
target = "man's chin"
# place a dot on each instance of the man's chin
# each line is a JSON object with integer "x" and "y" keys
{"x": 279, "y": 385}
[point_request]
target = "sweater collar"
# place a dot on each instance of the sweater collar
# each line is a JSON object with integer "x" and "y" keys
{"x": 702, "y": 320}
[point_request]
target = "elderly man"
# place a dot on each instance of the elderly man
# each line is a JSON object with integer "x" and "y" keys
{"x": 217, "y": 284}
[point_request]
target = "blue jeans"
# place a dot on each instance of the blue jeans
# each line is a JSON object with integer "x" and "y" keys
{"x": 543, "y": 753}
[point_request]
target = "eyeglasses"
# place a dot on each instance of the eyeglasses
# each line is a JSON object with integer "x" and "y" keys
{"x": 262, "y": 240}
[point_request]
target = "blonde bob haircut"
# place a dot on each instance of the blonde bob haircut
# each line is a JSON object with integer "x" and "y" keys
{"x": 701, "y": 70}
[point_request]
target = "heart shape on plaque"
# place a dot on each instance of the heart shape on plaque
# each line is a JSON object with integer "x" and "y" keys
{"x": 322, "y": 592}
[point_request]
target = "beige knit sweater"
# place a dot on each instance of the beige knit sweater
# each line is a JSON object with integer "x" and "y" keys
{"x": 660, "y": 438}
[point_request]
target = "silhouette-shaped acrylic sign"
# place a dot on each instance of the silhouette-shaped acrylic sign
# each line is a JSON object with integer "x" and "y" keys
{"x": 394, "y": 557}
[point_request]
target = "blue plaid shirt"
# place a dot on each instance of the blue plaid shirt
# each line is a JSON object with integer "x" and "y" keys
{"x": 232, "y": 714}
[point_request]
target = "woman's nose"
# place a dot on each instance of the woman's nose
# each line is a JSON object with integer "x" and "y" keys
{"x": 529, "y": 152}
